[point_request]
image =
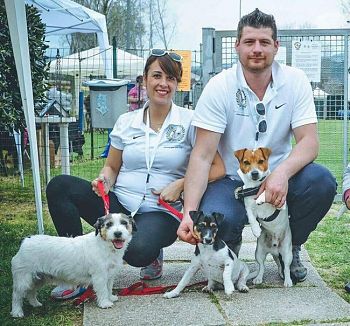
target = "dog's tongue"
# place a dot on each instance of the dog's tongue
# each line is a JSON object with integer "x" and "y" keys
{"x": 118, "y": 244}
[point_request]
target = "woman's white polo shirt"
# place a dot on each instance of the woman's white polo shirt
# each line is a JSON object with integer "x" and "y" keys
{"x": 170, "y": 160}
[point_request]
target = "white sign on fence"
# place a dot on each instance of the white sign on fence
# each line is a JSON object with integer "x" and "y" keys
{"x": 306, "y": 55}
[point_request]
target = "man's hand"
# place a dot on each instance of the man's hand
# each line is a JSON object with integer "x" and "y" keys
{"x": 276, "y": 189}
{"x": 185, "y": 230}
{"x": 347, "y": 202}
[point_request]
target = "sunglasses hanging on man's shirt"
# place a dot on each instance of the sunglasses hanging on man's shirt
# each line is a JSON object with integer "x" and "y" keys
{"x": 262, "y": 125}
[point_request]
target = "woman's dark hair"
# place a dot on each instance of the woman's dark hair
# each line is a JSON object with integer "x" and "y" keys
{"x": 169, "y": 66}
{"x": 257, "y": 19}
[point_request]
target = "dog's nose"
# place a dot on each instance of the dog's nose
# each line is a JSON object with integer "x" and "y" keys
{"x": 117, "y": 234}
{"x": 255, "y": 175}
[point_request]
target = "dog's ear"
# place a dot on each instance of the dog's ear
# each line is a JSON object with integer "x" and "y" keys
{"x": 240, "y": 154}
{"x": 218, "y": 218}
{"x": 195, "y": 216}
{"x": 133, "y": 224}
{"x": 99, "y": 223}
{"x": 266, "y": 152}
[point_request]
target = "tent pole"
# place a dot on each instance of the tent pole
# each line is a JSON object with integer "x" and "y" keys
{"x": 17, "y": 22}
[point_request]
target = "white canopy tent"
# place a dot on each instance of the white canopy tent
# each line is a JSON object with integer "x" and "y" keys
{"x": 67, "y": 17}
{"x": 90, "y": 62}
{"x": 60, "y": 17}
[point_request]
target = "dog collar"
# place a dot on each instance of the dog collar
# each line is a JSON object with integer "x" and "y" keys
{"x": 240, "y": 193}
{"x": 271, "y": 217}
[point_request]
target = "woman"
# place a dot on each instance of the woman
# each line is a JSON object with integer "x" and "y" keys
{"x": 137, "y": 96}
{"x": 149, "y": 153}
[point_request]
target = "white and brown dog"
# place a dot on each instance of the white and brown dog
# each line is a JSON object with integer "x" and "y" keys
{"x": 269, "y": 225}
{"x": 217, "y": 261}
{"x": 90, "y": 259}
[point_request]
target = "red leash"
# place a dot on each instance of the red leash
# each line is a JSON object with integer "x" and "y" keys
{"x": 170, "y": 208}
{"x": 104, "y": 196}
{"x": 139, "y": 288}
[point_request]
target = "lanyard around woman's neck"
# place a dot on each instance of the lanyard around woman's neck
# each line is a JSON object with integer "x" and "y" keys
{"x": 148, "y": 156}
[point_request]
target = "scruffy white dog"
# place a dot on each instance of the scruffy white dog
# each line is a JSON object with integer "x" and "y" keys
{"x": 90, "y": 259}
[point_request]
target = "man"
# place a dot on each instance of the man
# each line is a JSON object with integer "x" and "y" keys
{"x": 258, "y": 103}
{"x": 346, "y": 200}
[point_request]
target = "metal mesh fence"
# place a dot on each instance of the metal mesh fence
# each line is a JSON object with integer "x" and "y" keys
{"x": 69, "y": 143}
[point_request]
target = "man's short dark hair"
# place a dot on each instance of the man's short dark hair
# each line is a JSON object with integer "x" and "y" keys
{"x": 257, "y": 19}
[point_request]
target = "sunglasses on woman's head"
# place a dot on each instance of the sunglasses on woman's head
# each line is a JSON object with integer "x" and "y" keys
{"x": 159, "y": 53}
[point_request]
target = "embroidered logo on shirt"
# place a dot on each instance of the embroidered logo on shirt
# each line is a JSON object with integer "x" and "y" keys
{"x": 279, "y": 106}
{"x": 175, "y": 133}
{"x": 241, "y": 99}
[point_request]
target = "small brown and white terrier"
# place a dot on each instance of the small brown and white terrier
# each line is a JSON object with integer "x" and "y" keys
{"x": 269, "y": 224}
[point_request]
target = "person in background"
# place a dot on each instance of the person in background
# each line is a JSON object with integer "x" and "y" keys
{"x": 148, "y": 158}
{"x": 259, "y": 103}
{"x": 137, "y": 96}
{"x": 346, "y": 200}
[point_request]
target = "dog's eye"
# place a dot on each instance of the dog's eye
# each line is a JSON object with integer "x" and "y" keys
{"x": 109, "y": 224}
{"x": 123, "y": 222}
{"x": 246, "y": 162}
{"x": 261, "y": 162}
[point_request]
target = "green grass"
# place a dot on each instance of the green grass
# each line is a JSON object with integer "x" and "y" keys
{"x": 18, "y": 220}
{"x": 329, "y": 247}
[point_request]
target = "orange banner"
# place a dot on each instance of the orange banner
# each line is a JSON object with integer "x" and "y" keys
{"x": 185, "y": 84}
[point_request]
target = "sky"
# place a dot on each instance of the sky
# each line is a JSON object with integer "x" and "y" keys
{"x": 192, "y": 15}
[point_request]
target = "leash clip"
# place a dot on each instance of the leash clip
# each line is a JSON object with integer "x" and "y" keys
{"x": 237, "y": 191}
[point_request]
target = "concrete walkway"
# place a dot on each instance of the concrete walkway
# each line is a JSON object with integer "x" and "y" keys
{"x": 310, "y": 302}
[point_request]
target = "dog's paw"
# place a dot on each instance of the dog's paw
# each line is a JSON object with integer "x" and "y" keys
{"x": 256, "y": 230}
{"x": 243, "y": 288}
{"x": 207, "y": 289}
{"x": 171, "y": 294}
{"x": 17, "y": 314}
{"x": 261, "y": 199}
{"x": 35, "y": 303}
{"x": 229, "y": 291}
{"x": 257, "y": 280}
{"x": 288, "y": 283}
{"x": 105, "y": 304}
{"x": 113, "y": 297}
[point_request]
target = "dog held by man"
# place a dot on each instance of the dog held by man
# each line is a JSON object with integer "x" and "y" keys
{"x": 218, "y": 262}
{"x": 269, "y": 224}
{"x": 90, "y": 259}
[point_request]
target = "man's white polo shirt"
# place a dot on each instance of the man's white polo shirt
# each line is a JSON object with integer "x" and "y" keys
{"x": 170, "y": 161}
{"x": 228, "y": 106}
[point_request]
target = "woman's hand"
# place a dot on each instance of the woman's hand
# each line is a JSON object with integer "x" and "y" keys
{"x": 172, "y": 192}
{"x": 106, "y": 185}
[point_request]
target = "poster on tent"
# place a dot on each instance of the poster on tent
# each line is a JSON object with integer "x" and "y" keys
{"x": 306, "y": 55}
{"x": 185, "y": 85}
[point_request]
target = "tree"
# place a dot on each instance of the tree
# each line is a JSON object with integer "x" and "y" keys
{"x": 133, "y": 23}
{"x": 11, "y": 112}
{"x": 164, "y": 28}
{"x": 123, "y": 19}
